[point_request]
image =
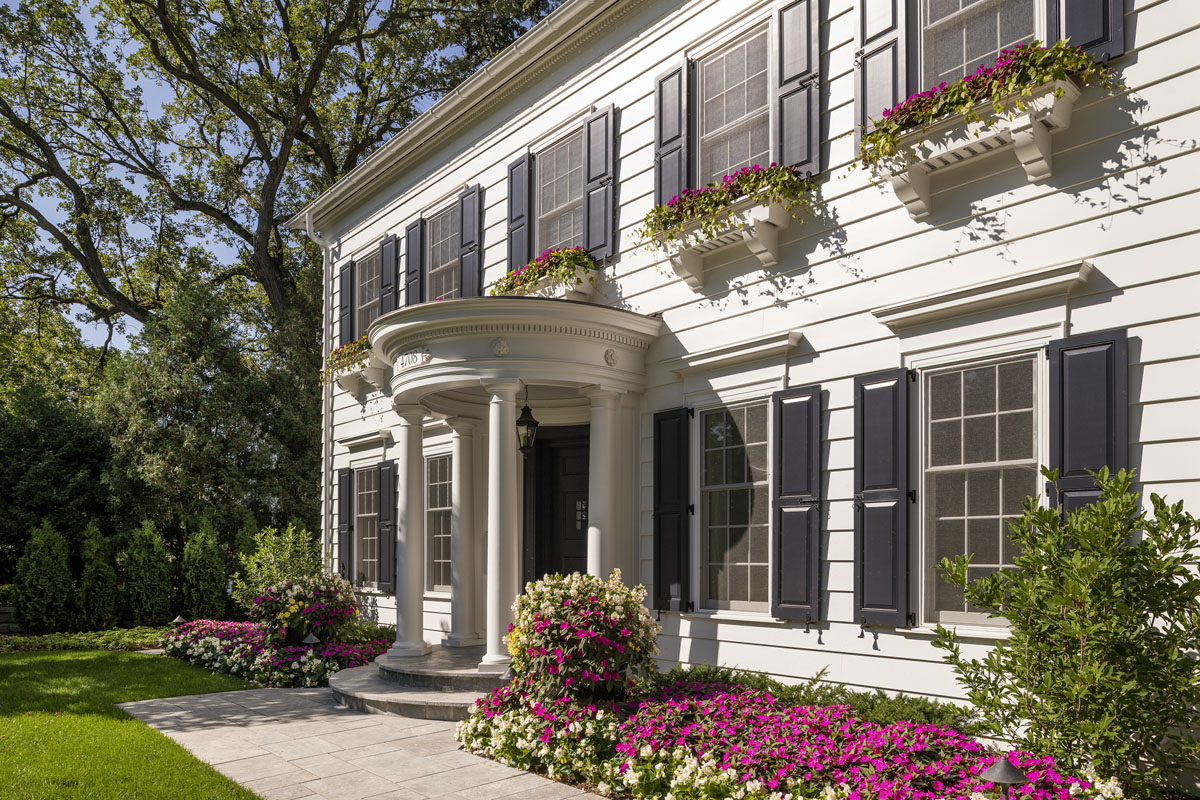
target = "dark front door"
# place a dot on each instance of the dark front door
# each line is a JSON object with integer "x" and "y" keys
{"x": 556, "y": 496}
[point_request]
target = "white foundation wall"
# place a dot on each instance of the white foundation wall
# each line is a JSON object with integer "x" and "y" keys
{"x": 1124, "y": 196}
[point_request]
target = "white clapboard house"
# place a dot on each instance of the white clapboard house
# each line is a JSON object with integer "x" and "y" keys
{"x": 778, "y": 428}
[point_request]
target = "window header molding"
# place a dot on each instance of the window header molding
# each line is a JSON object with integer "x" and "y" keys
{"x": 772, "y": 345}
{"x": 1058, "y": 281}
{"x": 381, "y": 438}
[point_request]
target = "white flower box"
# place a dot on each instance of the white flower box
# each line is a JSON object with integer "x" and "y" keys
{"x": 951, "y": 142}
{"x": 750, "y": 223}
{"x": 361, "y": 379}
{"x": 581, "y": 287}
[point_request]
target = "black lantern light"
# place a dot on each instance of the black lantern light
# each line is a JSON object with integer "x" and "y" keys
{"x": 526, "y": 427}
{"x": 1003, "y": 773}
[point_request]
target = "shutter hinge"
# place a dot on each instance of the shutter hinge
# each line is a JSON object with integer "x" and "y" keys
{"x": 691, "y": 413}
{"x": 912, "y": 619}
{"x": 692, "y": 509}
{"x": 912, "y": 495}
{"x": 813, "y": 79}
{"x": 912, "y": 376}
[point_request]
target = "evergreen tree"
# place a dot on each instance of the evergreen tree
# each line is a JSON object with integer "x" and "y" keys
{"x": 203, "y": 581}
{"x": 148, "y": 577}
{"x": 97, "y": 600}
{"x": 43, "y": 583}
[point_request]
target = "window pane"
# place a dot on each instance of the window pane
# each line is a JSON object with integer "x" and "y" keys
{"x": 959, "y": 35}
{"x": 945, "y": 396}
{"x": 1016, "y": 435}
{"x": 945, "y": 446}
{"x": 983, "y": 540}
{"x": 979, "y": 439}
{"x": 979, "y": 391}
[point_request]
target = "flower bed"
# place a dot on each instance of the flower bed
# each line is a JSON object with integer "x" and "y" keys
{"x": 568, "y": 266}
{"x": 291, "y": 610}
{"x": 707, "y": 208}
{"x": 242, "y": 649}
{"x": 1015, "y": 74}
{"x": 692, "y": 740}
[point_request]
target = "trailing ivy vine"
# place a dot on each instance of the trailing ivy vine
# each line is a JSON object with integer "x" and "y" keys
{"x": 568, "y": 265}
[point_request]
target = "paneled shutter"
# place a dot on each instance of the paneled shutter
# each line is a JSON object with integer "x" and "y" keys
{"x": 797, "y": 512}
{"x": 470, "y": 249}
{"x": 414, "y": 263}
{"x": 389, "y": 278}
{"x": 387, "y": 526}
{"x": 345, "y": 510}
{"x": 599, "y": 146}
{"x": 671, "y": 166}
{"x": 672, "y": 567}
{"x": 882, "y": 59}
{"x": 1098, "y": 26}
{"x": 520, "y": 205}
{"x": 881, "y": 498}
{"x": 1089, "y": 411}
{"x": 346, "y": 304}
{"x": 799, "y": 138}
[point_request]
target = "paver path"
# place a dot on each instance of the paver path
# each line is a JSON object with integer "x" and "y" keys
{"x": 296, "y": 743}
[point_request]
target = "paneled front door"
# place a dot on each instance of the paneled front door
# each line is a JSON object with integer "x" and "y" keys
{"x": 556, "y": 497}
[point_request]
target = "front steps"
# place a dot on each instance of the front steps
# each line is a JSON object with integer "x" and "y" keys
{"x": 443, "y": 685}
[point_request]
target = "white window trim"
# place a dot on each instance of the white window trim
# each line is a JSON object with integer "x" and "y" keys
{"x": 1014, "y": 345}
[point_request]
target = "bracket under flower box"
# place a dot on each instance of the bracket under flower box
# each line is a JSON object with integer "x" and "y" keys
{"x": 581, "y": 287}
{"x": 750, "y": 223}
{"x": 951, "y": 142}
{"x": 361, "y": 379}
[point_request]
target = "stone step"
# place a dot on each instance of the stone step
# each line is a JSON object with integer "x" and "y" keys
{"x": 448, "y": 669}
{"x": 363, "y": 689}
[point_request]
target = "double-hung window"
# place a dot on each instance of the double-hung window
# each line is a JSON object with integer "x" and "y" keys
{"x": 441, "y": 258}
{"x": 366, "y": 526}
{"x": 366, "y": 307}
{"x": 957, "y": 36}
{"x": 438, "y": 512}
{"x": 980, "y": 424}
{"x": 734, "y": 113}
{"x": 560, "y": 194}
{"x": 735, "y": 519}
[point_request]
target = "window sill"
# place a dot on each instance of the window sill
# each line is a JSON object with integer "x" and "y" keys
{"x": 749, "y": 222}
{"x": 744, "y": 617}
{"x": 969, "y": 633}
{"x": 953, "y": 141}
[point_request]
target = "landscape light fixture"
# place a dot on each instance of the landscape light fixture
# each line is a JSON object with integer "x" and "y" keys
{"x": 310, "y": 640}
{"x": 178, "y": 620}
{"x": 1003, "y": 773}
{"x": 526, "y": 427}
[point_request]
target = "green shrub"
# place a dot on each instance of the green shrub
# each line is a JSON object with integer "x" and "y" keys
{"x": 8, "y": 595}
{"x": 97, "y": 600}
{"x": 148, "y": 577}
{"x": 1103, "y": 609}
{"x": 203, "y": 578}
{"x": 278, "y": 557}
{"x": 43, "y": 583}
{"x": 115, "y": 639}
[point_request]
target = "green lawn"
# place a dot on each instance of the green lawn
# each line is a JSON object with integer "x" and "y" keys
{"x": 61, "y": 735}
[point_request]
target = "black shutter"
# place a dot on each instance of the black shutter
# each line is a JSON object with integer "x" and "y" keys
{"x": 882, "y": 59}
{"x": 797, "y": 512}
{"x": 799, "y": 138}
{"x": 414, "y": 263}
{"x": 671, "y": 168}
{"x": 470, "y": 233}
{"x": 671, "y": 508}
{"x": 1089, "y": 412}
{"x": 520, "y": 195}
{"x": 387, "y": 526}
{"x": 880, "y": 498}
{"x": 346, "y": 304}
{"x": 1098, "y": 26}
{"x": 599, "y": 145}
{"x": 345, "y": 510}
{"x": 389, "y": 277}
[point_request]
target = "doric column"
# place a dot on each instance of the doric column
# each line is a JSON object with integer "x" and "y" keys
{"x": 410, "y": 536}
{"x": 462, "y": 535}
{"x": 502, "y": 540}
{"x": 602, "y": 482}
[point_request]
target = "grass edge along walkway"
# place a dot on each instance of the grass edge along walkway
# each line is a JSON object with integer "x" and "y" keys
{"x": 62, "y": 736}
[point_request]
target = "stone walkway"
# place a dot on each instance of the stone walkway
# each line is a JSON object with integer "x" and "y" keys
{"x": 297, "y": 743}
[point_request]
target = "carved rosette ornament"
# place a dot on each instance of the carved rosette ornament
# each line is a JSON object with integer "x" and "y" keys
{"x": 499, "y": 347}
{"x": 610, "y": 357}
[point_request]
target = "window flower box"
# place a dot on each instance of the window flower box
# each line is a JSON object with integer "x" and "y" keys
{"x": 355, "y": 368}
{"x": 752, "y": 222}
{"x": 1025, "y": 125}
{"x": 567, "y": 273}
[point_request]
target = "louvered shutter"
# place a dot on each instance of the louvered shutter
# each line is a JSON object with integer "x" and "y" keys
{"x": 520, "y": 196}
{"x": 799, "y": 139}
{"x": 671, "y": 166}
{"x": 414, "y": 263}
{"x": 599, "y": 146}
{"x": 389, "y": 278}
{"x": 346, "y": 304}
{"x": 387, "y": 526}
{"x": 797, "y": 512}
{"x": 1089, "y": 412}
{"x": 672, "y": 567}
{"x": 345, "y": 528}
{"x": 880, "y": 498}
{"x": 470, "y": 232}
{"x": 1098, "y": 26}
{"x": 882, "y": 60}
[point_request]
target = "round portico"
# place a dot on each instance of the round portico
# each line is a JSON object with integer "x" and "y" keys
{"x": 469, "y": 362}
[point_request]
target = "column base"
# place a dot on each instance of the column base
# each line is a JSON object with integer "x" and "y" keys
{"x": 495, "y": 664}
{"x": 461, "y": 641}
{"x": 408, "y": 650}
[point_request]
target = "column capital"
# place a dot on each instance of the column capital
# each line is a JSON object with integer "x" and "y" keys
{"x": 463, "y": 426}
{"x": 602, "y": 395}
{"x": 504, "y": 388}
{"x": 412, "y": 413}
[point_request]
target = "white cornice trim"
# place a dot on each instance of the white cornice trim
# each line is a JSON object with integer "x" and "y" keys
{"x": 763, "y": 347}
{"x": 1033, "y": 285}
{"x": 381, "y": 437}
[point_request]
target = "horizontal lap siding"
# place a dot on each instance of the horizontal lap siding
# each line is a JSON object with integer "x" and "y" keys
{"x": 1123, "y": 196}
